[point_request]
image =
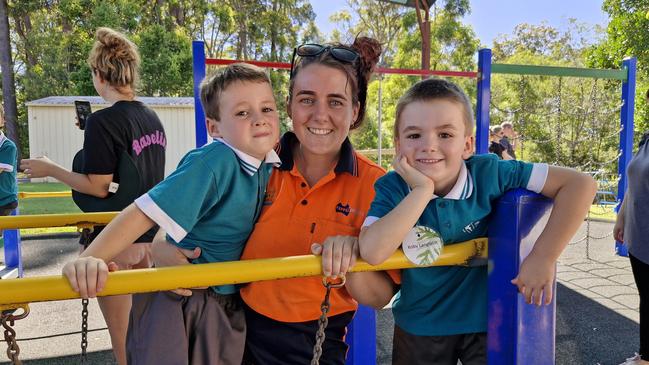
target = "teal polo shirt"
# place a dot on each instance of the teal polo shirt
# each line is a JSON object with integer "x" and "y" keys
{"x": 8, "y": 186}
{"x": 450, "y": 300}
{"x": 211, "y": 201}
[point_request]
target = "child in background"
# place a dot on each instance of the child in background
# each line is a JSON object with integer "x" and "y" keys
{"x": 211, "y": 201}
{"x": 8, "y": 187}
{"x": 441, "y": 312}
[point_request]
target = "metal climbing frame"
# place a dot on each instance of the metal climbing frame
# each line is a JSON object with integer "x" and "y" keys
{"x": 627, "y": 74}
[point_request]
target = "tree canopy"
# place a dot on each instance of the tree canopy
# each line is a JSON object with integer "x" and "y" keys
{"x": 568, "y": 121}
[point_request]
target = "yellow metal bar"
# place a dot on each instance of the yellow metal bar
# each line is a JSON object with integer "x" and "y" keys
{"x": 44, "y": 194}
{"x": 55, "y": 220}
{"x": 48, "y": 288}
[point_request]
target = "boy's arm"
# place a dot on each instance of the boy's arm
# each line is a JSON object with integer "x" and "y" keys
{"x": 379, "y": 240}
{"x": 88, "y": 273}
{"x": 373, "y": 288}
{"x": 573, "y": 194}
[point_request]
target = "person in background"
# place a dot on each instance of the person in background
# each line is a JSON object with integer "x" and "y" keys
{"x": 632, "y": 228}
{"x": 127, "y": 125}
{"x": 8, "y": 186}
{"x": 509, "y": 138}
{"x": 495, "y": 134}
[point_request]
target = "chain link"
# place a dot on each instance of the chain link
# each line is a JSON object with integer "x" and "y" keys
{"x": 323, "y": 321}
{"x": 84, "y": 330}
{"x": 85, "y": 242}
{"x": 7, "y": 321}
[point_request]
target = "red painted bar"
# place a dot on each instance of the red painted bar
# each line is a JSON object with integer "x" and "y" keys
{"x": 396, "y": 71}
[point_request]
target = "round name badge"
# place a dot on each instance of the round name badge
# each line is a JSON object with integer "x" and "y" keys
{"x": 422, "y": 245}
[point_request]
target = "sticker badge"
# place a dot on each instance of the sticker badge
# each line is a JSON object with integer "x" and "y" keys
{"x": 422, "y": 245}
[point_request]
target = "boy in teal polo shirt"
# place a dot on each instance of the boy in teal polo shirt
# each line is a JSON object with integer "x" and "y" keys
{"x": 211, "y": 201}
{"x": 441, "y": 312}
{"x": 8, "y": 186}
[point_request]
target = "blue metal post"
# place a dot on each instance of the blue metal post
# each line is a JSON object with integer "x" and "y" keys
{"x": 518, "y": 333}
{"x": 198, "y": 53}
{"x": 482, "y": 102}
{"x": 361, "y": 337}
{"x": 626, "y": 137}
{"x": 13, "y": 255}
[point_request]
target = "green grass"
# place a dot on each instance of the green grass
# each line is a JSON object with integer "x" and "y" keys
{"x": 46, "y": 205}
{"x": 603, "y": 212}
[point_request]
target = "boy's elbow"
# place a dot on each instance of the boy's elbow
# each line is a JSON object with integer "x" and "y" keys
{"x": 373, "y": 258}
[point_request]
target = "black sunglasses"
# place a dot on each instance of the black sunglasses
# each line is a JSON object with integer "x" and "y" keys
{"x": 341, "y": 53}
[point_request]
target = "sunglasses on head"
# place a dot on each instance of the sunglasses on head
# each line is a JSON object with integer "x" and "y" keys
{"x": 341, "y": 53}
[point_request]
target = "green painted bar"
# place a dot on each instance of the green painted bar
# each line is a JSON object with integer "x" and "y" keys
{"x": 501, "y": 68}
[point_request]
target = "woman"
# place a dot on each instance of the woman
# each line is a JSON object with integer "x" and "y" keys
{"x": 322, "y": 191}
{"x": 109, "y": 132}
{"x": 632, "y": 227}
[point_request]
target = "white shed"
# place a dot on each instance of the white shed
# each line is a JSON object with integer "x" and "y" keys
{"x": 52, "y": 131}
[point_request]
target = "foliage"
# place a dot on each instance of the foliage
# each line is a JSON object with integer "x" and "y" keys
{"x": 453, "y": 47}
{"x": 627, "y": 35}
{"x": 565, "y": 121}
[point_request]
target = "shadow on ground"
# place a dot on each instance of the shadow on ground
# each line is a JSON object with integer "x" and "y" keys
{"x": 590, "y": 333}
{"x": 95, "y": 358}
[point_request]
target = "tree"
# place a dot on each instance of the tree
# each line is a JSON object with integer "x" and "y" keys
{"x": 453, "y": 47}
{"x": 563, "y": 120}
{"x": 8, "y": 82}
{"x": 626, "y": 36}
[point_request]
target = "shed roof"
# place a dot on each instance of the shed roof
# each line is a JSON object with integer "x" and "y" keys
{"x": 97, "y": 100}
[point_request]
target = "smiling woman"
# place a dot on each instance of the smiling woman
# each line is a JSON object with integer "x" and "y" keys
{"x": 315, "y": 202}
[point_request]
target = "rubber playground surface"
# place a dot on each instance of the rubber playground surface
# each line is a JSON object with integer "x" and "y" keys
{"x": 597, "y": 308}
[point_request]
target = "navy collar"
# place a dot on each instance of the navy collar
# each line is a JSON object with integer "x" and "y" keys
{"x": 346, "y": 163}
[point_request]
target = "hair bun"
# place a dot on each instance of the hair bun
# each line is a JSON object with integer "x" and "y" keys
{"x": 116, "y": 44}
{"x": 369, "y": 50}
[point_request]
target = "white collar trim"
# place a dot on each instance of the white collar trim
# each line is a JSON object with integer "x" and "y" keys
{"x": 463, "y": 187}
{"x": 251, "y": 164}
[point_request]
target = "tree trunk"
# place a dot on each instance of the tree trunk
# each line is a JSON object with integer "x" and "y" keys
{"x": 8, "y": 84}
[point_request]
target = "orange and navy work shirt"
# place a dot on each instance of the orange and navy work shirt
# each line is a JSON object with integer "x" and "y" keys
{"x": 296, "y": 215}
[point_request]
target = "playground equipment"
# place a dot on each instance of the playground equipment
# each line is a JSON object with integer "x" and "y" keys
{"x": 517, "y": 332}
{"x": 627, "y": 74}
{"x": 362, "y": 352}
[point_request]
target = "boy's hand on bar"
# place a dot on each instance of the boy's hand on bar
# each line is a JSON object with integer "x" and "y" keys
{"x": 87, "y": 275}
{"x": 535, "y": 280}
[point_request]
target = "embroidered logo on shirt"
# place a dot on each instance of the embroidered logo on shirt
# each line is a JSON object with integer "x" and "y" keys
{"x": 469, "y": 228}
{"x": 269, "y": 197}
{"x": 343, "y": 209}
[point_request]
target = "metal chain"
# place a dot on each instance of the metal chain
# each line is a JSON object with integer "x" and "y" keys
{"x": 84, "y": 330}
{"x": 85, "y": 241}
{"x": 7, "y": 321}
{"x": 13, "y": 350}
{"x": 323, "y": 321}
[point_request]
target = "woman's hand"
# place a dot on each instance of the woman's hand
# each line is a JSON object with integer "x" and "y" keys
{"x": 37, "y": 167}
{"x": 166, "y": 254}
{"x": 339, "y": 254}
{"x": 88, "y": 275}
{"x": 618, "y": 228}
{"x": 413, "y": 177}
